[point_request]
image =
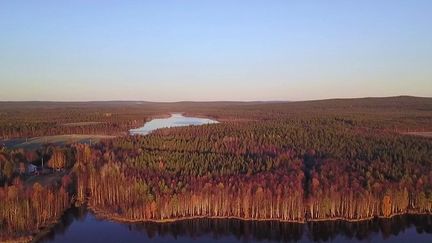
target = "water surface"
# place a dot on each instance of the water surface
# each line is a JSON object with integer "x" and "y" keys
{"x": 176, "y": 120}
{"x": 80, "y": 225}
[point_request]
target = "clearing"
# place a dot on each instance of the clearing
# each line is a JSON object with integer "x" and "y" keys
{"x": 423, "y": 134}
{"x": 36, "y": 142}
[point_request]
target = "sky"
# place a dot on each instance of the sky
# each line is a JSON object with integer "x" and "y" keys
{"x": 214, "y": 50}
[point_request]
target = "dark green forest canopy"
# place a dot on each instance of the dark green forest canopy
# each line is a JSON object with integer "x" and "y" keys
{"x": 258, "y": 144}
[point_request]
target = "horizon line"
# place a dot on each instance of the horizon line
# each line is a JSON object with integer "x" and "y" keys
{"x": 209, "y": 101}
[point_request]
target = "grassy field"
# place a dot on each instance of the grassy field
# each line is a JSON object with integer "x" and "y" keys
{"x": 72, "y": 124}
{"x": 422, "y": 134}
{"x": 46, "y": 179}
{"x": 36, "y": 142}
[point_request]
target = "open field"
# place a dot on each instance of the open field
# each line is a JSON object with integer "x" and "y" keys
{"x": 422, "y": 134}
{"x": 45, "y": 180}
{"x": 80, "y": 123}
{"x": 36, "y": 142}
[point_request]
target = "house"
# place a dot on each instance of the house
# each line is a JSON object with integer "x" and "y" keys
{"x": 31, "y": 169}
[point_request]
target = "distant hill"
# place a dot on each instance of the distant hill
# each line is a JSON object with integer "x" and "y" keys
{"x": 372, "y": 102}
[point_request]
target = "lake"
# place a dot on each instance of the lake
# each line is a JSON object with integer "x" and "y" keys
{"x": 80, "y": 225}
{"x": 176, "y": 120}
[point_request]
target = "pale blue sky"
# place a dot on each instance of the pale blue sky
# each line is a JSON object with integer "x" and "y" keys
{"x": 214, "y": 50}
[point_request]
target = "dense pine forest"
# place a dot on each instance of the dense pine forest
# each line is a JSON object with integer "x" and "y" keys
{"x": 352, "y": 159}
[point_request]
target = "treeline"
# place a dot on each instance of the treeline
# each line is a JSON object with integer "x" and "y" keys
{"x": 114, "y": 127}
{"x": 365, "y": 189}
{"x": 263, "y": 196}
{"x": 31, "y": 119}
{"x": 49, "y": 129}
{"x": 24, "y": 210}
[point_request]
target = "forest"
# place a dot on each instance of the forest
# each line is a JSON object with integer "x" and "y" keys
{"x": 296, "y": 171}
{"x": 289, "y": 161}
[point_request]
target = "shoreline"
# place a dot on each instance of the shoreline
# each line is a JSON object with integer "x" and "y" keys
{"x": 21, "y": 239}
{"x": 115, "y": 218}
{"x": 100, "y": 214}
{"x": 37, "y": 233}
{"x": 103, "y": 215}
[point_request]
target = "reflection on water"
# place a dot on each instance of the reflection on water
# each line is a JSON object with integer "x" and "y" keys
{"x": 80, "y": 225}
{"x": 176, "y": 120}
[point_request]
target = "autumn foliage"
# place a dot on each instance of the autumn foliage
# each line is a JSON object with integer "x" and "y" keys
{"x": 264, "y": 170}
{"x": 300, "y": 161}
{"x": 25, "y": 209}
